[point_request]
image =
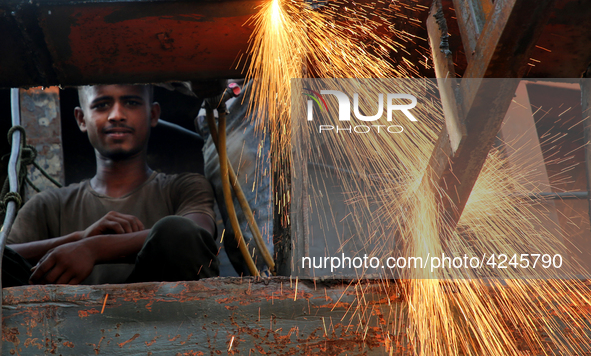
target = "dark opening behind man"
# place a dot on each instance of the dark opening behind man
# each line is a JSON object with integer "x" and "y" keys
{"x": 126, "y": 213}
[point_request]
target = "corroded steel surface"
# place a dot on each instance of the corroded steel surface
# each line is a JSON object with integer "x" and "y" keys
{"x": 82, "y": 42}
{"x": 107, "y": 41}
{"x": 40, "y": 116}
{"x": 234, "y": 316}
{"x": 214, "y": 316}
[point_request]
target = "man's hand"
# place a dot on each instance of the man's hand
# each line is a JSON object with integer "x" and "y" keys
{"x": 114, "y": 223}
{"x": 70, "y": 263}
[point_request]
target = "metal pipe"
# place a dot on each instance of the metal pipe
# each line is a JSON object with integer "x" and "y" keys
{"x": 13, "y": 168}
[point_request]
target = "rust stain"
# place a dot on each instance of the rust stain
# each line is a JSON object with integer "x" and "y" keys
{"x": 97, "y": 348}
{"x": 152, "y": 342}
{"x": 174, "y": 338}
{"x": 257, "y": 296}
{"x": 130, "y": 340}
{"x": 49, "y": 342}
{"x": 33, "y": 342}
{"x": 190, "y": 353}
{"x": 149, "y": 305}
{"x": 35, "y": 317}
{"x": 68, "y": 344}
{"x": 10, "y": 335}
{"x": 86, "y": 313}
{"x": 341, "y": 339}
{"x": 135, "y": 57}
{"x": 30, "y": 293}
{"x": 184, "y": 292}
{"x": 148, "y": 292}
{"x": 188, "y": 337}
{"x": 332, "y": 339}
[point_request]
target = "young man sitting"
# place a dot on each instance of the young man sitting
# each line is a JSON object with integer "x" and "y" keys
{"x": 86, "y": 232}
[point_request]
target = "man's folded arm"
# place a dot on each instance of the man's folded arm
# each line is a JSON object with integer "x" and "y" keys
{"x": 34, "y": 250}
{"x": 73, "y": 262}
{"x": 111, "y": 223}
{"x": 124, "y": 247}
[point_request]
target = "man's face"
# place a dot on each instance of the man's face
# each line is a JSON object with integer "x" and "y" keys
{"x": 117, "y": 119}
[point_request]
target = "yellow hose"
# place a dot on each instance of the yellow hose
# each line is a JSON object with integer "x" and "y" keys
{"x": 223, "y": 157}
{"x": 254, "y": 227}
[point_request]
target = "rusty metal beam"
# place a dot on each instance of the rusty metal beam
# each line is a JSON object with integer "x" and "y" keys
{"x": 487, "y": 7}
{"x": 445, "y": 73}
{"x": 272, "y": 316}
{"x": 471, "y": 15}
{"x": 438, "y": 39}
{"x": 502, "y": 50}
{"x": 79, "y": 42}
{"x": 234, "y": 316}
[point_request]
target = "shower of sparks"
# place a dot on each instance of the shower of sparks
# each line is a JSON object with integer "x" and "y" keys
{"x": 291, "y": 40}
{"x": 450, "y": 312}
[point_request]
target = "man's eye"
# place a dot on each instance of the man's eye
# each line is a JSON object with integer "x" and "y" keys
{"x": 99, "y": 106}
{"x": 133, "y": 103}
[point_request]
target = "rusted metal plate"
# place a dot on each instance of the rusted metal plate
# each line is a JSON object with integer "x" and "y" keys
{"x": 114, "y": 42}
{"x": 134, "y": 41}
{"x": 233, "y": 316}
{"x": 214, "y": 316}
{"x": 40, "y": 116}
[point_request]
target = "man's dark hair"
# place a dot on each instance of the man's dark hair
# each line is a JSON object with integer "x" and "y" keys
{"x": 82, "y": 90}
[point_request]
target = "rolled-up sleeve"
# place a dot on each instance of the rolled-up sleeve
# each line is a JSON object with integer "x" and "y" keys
{"x": 36, "y": 220}
{"x": 191, "y": 194}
